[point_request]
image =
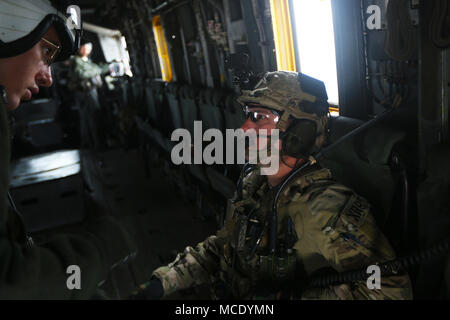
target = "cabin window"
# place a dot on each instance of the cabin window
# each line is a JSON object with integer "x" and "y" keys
{"x": 163, "y": 52}
{"x": 282, "y": 34}
{"x": 315, "y": 45}
{"x": 126, "y": 56}
{"x": 115, "y": 49}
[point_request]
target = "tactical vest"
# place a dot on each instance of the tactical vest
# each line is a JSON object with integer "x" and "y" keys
{"x": 254, "y": 270}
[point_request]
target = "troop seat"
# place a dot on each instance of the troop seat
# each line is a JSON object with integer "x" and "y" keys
{"x": 126, "y": 92}
{"x": 189, "y": 107}
{"x": 364, "y": 163}
{"x": 190, "y": 114}
{"x": 233, "y": 113}
{"x": 137, "y": 91}
{"x": 153, "y": 134}
{"x": 154, "y": 96}
{"x": 433, "y": 279}
{"x": 151, "y": 113}
{"x": 224, "y": 181}
{"x": 210, "y": 108}
{"x": 173, "y": 101}
{"x": 153, "y": 125}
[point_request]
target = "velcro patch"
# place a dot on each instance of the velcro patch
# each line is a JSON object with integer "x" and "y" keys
{"x": 355, "y": 211}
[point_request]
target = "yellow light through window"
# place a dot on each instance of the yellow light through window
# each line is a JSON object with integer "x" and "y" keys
{"x": 163, "y": 52}
{"x": 315, "y": 43}
{"x": 282, "y": 31}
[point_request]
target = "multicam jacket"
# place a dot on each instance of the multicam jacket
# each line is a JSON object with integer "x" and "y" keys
{"x": 332, "y": 227}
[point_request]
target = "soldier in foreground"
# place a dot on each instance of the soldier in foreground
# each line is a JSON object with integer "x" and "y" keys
{"x": 319, "y": 223}
{"x": 27, "y": 270}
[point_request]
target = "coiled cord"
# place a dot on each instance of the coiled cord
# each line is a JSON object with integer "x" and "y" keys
{"x": 387, "y": 269}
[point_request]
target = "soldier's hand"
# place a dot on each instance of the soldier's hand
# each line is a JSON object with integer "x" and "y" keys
{"x": 152, "y": 290}
{"x": 116, "y": 69}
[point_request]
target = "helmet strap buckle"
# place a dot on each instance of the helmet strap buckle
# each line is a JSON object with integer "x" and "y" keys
{"x": 283, "y": 124}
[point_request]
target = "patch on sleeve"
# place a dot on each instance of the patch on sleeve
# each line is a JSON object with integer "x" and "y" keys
{"x": 355, "y": 212}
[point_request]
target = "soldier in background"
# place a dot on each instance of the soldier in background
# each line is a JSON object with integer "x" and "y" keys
{"x": 318, "y": 225}
{"x": 85, "y": 79}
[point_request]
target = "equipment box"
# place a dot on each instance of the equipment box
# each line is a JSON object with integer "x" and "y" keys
{"x": 48, "y": 189}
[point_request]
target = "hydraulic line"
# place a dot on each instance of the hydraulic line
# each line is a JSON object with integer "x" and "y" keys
{"x": 369, "y": 87}
{"x": 439, "y": 24}
{"x": 400, "y": 35}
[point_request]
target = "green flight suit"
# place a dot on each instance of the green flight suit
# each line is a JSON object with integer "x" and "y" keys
{"x": 85, "y": 78}
{"x": 83, "y": 71}
{"x": 39, "y": 272}
{"x": 334, "y": 228}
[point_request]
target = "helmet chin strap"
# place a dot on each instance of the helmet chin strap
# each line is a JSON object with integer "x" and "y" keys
{"x": 268, "y": 149}
{"x": 286, "y": 164}
{"x": 283, "y": 124}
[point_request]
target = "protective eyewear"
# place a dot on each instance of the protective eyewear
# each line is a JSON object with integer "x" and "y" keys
{"x": 50, "y": 51}
{"x": 256, "y": 116}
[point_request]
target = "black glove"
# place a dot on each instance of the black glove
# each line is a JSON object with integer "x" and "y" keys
{"x": 153, "y": 291}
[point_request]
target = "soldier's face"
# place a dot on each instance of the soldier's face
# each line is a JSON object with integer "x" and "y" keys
{"x": 22, "y": 75}
{"x": 86, "y": 50}
{"x": 263, "y": 121}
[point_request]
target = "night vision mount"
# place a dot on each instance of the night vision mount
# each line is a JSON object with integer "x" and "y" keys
{"x": 238, "y": 64}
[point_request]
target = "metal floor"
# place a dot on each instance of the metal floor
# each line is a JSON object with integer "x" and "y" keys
{"x": 148, "y": 207}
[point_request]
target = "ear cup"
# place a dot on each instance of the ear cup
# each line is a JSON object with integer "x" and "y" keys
{"x": 299, "y": 139}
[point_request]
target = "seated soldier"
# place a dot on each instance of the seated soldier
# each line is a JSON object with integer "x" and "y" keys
{"x": 318, "y": 223}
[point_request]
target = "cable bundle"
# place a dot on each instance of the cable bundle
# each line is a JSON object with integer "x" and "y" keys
{"x": 400, "y": 40}
{"x": 440, "y": 24}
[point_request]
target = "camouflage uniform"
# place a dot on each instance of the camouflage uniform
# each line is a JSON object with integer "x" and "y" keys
{"x": 85, "y": 77}
{"x": 334, "y": 228}
{"x": 39, "y": 272}
{"x": 320, "y": 223}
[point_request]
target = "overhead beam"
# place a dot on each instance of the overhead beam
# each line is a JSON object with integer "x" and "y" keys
{"x": 101, "y": 30}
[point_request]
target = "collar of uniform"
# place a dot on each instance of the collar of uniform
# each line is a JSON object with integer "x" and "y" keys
{"x": 309, "y": 176}
{"x": 255, "y": 182}
{"x": 4, "y": 161}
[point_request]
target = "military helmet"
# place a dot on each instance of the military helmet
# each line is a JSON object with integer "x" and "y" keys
{"x": 296, "y": 97}
{"x": 23, "y": 23}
